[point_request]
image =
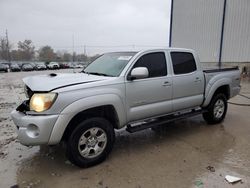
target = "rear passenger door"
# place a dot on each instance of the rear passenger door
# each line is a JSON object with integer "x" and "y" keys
{"x": 188, "y": 81}
{"x": 150, "y": 96}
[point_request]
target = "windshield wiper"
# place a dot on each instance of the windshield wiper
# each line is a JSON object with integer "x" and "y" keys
{"x": 97, "y": 73}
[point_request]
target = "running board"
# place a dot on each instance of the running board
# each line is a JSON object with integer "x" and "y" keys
{"x": 162, "y": 120}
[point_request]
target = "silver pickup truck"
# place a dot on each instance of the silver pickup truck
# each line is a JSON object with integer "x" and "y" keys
{"x": 136, "y": 90}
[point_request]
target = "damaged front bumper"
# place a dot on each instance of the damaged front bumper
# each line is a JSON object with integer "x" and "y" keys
{"x": 33, "y": 129}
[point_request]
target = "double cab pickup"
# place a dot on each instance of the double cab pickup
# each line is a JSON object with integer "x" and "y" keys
{"x": 135, "y": 90}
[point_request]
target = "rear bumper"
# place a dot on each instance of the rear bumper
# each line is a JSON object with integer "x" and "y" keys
{"x": 33, "y": 130}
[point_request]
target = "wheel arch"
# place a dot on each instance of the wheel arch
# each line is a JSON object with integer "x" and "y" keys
{"x": 89, "y": 105}
{"x": 221, "y": 86}
{"x": 225, "y": 89}
{"x": 106, "y": 111}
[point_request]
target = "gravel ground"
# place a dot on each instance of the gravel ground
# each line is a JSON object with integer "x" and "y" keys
{"x": 187, "y": 153}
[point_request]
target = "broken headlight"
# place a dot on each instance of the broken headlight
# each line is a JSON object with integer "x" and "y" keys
{"x": 40, "y": 102}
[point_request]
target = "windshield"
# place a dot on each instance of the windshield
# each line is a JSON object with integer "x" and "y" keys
{"x": 110, "y": 64}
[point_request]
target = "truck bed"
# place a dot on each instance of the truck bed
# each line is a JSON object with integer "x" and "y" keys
{"x": 220, "y": 69}
{"x": 229, "y": 75}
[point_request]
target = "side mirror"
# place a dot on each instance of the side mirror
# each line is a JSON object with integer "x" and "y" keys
{"x": 139, "y": 73}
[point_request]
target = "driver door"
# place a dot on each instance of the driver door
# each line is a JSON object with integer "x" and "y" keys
{"x": 149, "y": 97}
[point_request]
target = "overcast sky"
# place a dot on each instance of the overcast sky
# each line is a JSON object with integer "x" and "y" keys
{"x": 108, "y": 24}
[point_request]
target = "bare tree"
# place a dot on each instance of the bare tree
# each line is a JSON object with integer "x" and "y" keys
{"x": 81, "y": 57}
{"x": 26, "y": 50}
{"x": 67, "y": 57}
{"x": 4, "y": 49}
{"x": 47, "y": 54}
{"x": 15, "y": 55}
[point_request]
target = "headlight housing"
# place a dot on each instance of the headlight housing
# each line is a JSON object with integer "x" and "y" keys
{"x": 40, "y": 102}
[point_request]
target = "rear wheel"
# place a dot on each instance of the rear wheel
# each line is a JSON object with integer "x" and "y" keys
{"x": 216, "y": 110}
{"x": 90, "y": 142}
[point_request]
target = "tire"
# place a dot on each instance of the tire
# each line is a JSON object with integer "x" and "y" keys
{"x": 216, "y": 110}
{"x": 95, "y": 138}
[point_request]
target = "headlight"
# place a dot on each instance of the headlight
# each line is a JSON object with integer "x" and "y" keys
{"x": 40, "y": 102}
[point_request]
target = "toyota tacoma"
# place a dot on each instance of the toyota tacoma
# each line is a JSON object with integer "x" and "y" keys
{"x": 135, "y": 90}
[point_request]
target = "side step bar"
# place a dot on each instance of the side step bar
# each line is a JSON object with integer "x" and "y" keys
{"x": 162, "y": 120}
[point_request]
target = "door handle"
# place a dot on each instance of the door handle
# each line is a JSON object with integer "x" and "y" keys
{"x": 197, "y": 79}
{"x": 166, "y": 83}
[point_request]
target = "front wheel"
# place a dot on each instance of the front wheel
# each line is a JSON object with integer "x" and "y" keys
{"x": 90, "y": 142}
{"x": 216, "y": 110}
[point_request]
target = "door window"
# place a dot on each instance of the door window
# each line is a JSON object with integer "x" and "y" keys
{"x": 154, "y": 62}
{"x": 183, "y": 62}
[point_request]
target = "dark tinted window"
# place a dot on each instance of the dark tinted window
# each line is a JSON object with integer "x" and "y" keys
{"x": 183, "y": 62}
{"x": 154, "y": 62}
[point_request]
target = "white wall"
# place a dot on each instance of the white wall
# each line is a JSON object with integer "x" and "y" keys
{"x": 236, "y": 47}
{"x": 197, "y": 25}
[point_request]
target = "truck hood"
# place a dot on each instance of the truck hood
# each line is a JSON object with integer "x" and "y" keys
{"x": 55, "y": 81}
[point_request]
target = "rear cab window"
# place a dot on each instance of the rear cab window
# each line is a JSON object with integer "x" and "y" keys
{"x": 183, "y": 62}
{"x": 155, "y": 62}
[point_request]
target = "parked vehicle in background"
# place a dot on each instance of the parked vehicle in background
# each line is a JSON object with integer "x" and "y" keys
{"x": 3, "y": 67}
{"x": 33, "y": 65}
{"x": 136, "y": 90}
{"x": 53, "y": 65}
{"x": 78, "y": 66}
{"x": 27, "y": 67}
{"x": 40, "y": 66}
{"x": 15, "y": 67}
{"x": 71, "y": 65}
{"x": 64, "y": 65}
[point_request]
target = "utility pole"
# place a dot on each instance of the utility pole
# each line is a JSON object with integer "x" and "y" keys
{"x": 222, "y": 32}
{"x": 171, "y": 23}
{"x": 85, "y": 53}
{"x": 7, "y": 46}
{"x": 73, "y": 48}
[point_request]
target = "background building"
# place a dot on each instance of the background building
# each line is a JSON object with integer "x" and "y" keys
{"x": 216, "y": 29}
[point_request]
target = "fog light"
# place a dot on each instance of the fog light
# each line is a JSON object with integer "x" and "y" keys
{"x": 32, "y": 131}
